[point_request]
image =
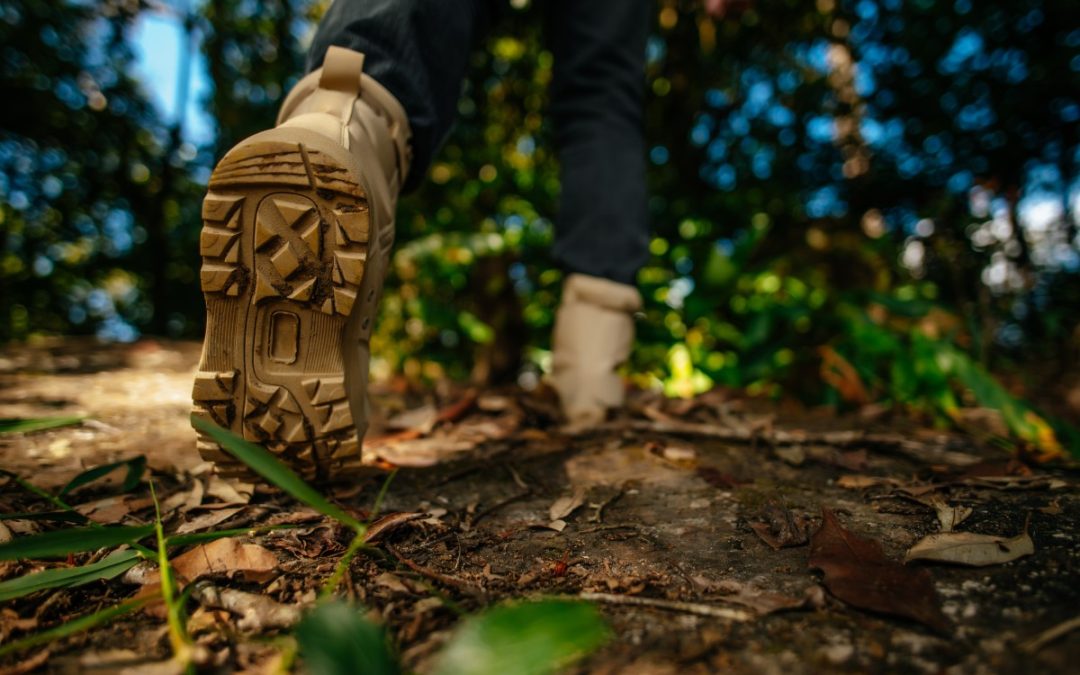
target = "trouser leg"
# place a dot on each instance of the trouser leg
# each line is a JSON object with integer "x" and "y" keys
{"x": 417, "y": 49}
{"x": 597, "y": 96}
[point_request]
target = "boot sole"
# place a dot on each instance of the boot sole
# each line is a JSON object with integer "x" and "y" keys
{"x": 287, "y": 245}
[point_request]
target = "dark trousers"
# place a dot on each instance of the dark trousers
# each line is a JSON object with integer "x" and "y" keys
{"x": 418, "y": 49}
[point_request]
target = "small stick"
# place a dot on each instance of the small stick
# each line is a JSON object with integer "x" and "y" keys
{"x": 697, "y": 608}
{"x": 433, "y": 575}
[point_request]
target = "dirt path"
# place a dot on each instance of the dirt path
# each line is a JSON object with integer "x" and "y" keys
{"x": 667, "y": 531}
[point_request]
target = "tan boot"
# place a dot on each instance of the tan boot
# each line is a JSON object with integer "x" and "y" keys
{"x": 298, "y": 226}
{"x": 594, "y": 332}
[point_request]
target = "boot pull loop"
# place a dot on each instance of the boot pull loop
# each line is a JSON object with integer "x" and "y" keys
{"x": 341, "y": 71}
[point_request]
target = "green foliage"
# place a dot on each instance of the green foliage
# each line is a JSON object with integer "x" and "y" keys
{"x": 335, "y": 639}
{"x": 523, "y": 638}
{"x": 135, "y": 467}
{"x": 61, "y": 543}
{"x": 108, "y": 567}
{"x": 24, "y": 426}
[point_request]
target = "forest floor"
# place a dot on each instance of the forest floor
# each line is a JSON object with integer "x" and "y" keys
{"x": 720, "y": 533}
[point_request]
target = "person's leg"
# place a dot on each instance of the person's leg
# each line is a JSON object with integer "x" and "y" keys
{"x": 417, "y": 49}
{"x": 298, "y": 227}
{"x": 601, "y": 233}
{"x": 597, "y": 101}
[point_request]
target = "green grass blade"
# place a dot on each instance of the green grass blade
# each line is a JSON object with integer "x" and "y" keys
{"x": 335, "y": 639}
{"x": 58, "y": 516}
{"x": 525, "y": 638}
{"x": 136, "y": 466}
{"x": 72, "y": 627}
{"x": 266, "y": 465}
{"x": 17, "y": 425}
{"x": 68, "y": 577}
{"x": 59, "y": 543}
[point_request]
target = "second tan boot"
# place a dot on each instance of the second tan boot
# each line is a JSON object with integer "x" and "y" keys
{"x": 298, "y": 227}
{"x": 593, "y": 336}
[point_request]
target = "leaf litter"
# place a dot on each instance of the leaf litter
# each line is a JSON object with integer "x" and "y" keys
{"x": 636, "y": 561}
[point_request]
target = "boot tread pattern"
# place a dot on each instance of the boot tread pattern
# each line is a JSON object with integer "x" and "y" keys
{"x": 285, "y": 236}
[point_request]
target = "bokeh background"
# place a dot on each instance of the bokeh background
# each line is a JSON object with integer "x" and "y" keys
{"x": 866, "y": 204}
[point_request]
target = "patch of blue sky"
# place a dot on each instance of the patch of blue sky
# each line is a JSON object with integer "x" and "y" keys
{"x": 157, "y": 40}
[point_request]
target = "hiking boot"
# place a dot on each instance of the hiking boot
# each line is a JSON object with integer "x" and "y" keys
{"x": 298, "y": 226}
{"x": 594, "y": 332}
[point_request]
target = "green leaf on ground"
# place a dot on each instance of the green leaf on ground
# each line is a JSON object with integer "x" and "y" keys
{"x": 66, "y": 577}
{"x": 59, "y": 543}
{"x": 136, "y": 466}
{"x": 336, "y": 639}
{"x": 19, "y": 425}
{"x": 58, "y": 516}
{"x": 262, "y": 462}
{"x": 524, "y": 638}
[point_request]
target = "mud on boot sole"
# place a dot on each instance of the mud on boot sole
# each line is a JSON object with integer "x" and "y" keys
{"x": 285, "y": 244}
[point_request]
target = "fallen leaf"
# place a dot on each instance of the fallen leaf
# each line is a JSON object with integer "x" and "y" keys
{"x": 5, "y": 534}
{"x": 948, "y": 516}
{"x": 968, "y": 548}
{"x": 858, "y": 573}
{"x": 557, "y": 525}
{"x": 227, "y": 556}
{"x": 184, "y": 500}
{"x": 208, "y": 519}
{"x": 566, "y": 505}
{"x": 861, "y": 482}
{"x": 761, "y": 601}
{"x": 230, "y": 492}
{"x": 794, "y": 455}
{"x": 780, "y": 528}
{"x": 387, "y": 524}
{"x": 392, "y": 581}
{"x": 112, "y": 509}
{"x": 421, "y": 420}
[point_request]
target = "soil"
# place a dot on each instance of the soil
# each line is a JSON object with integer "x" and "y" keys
{"x": 663, "y": 515}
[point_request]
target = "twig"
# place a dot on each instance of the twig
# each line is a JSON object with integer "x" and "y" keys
{"x": 922, "y": 452}
{"x": 1047, "y": 636}
{"x": 433, "y": 575}
{"x": 697, "y": 608}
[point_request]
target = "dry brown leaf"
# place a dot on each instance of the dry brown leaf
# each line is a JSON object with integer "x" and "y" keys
{"x": 208, "y": 519}
{"x": 761, "y": 601}
{"x": 421, "y": 420}
{"x": 112, "y": 509}
{"x": 562, "y": 507}
{"x": 388, "y": 523}
{"x": 857, "y": 572}
{"x": 227, "y": 556}
{"x": 780, "y": 528}
{"x": 184, "y": 500}
{"x": 230, "y": 492}
{"x": 968, "y": 548}
{"x": 948, "y": 516}
{"x": 861, "y": 482}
